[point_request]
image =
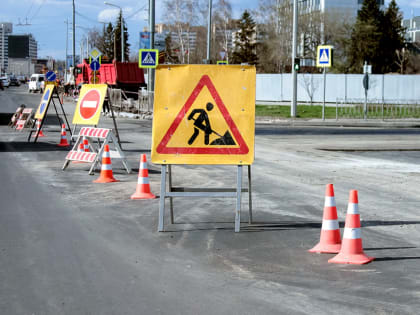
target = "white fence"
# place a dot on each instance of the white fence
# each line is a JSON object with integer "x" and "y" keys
{"x": 278, "y": 87}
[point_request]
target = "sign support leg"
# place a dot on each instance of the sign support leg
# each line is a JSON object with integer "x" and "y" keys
{"x": 30, "y": 132}
{"x": 325, "y": 86}
{"x": 249, "y": 195}
{"x": 238, "y": 199}
{"x": 162, "y": 198}
{"x": 113, "y": 118}
{"x": 171, "y": 204}
{"x": 64, "y": 113}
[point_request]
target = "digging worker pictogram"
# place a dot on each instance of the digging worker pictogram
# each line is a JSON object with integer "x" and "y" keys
{"x": 203, "y": 123}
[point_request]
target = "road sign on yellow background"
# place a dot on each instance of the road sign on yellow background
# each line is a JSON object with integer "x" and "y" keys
{"x": 204, "y": 114}
{"x": 89, "y": 105}
{"x": 45, "y": 101}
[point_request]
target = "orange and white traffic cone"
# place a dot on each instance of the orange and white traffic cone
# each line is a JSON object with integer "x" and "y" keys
{"x": 143, "y": 185}
{"x": 39, "y": 132}
{"x": 352, "y": 249}
{"x": 106, "y": 175}
{"x": 330, "y": 240}
{"x": 85, "y": 145}
{"x": 63, "y": 140}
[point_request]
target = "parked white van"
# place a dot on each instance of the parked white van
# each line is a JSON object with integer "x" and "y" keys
{"x": 36, "y": 83}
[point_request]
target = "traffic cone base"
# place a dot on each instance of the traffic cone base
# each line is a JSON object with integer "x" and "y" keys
{"x": 330, "y": 240}
{"x": 141, "y": 195}
{"x": 351, "y": 253}
{"x": 105, "y": 179}
{"x": 323, "y": 248}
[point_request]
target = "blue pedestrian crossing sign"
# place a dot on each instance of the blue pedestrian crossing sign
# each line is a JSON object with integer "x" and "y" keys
{"x": 324, "y": 57}
{"x": 148, "y": 58}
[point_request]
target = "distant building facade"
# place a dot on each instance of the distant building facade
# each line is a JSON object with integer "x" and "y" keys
{"x": 6, "y": 28}
{"x": 22, "y": 46}
{"x": 413, "y": 29}
{"x": 23, "y": 53}
{"x": 347, "y": 6}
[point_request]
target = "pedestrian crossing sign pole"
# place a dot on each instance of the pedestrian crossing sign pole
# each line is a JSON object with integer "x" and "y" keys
{"x": 148, "y": 58}
{"x": 324, "y": 59}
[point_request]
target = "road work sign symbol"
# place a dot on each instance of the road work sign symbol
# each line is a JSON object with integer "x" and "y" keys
{"x": 45, "y": 101}
{"x": 148, "y": 58}
{"x": 89, "y": 105}
{"x": 204, "y": 115}
{"x": 324, "y": 56}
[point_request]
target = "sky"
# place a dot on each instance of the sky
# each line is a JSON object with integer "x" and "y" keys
{"x": 47, "y": 19}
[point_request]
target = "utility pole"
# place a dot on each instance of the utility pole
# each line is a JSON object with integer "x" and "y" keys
{"x": 122, "y": 37}
{"x": 67, "y": 46}
{"x": 151, "y": 72}
{"x": 74, "y": 36}
{"x": 209, "y": 32}
{"x": 2, "y": 49}
{"x": 294, "y": 49}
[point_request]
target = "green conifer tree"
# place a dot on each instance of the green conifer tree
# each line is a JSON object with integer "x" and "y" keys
{"x": 393, "y": 37}
{"x": 366, "y": 38}
{"x": 245, "y": 42}
{"x": 117, "y": 34}
{"x": 106, "y": 44}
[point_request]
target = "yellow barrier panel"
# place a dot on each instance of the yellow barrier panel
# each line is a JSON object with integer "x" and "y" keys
{"x": 45, "y": 101}
{"x": 204, "y": 114}
{"x": 89, "y": 105}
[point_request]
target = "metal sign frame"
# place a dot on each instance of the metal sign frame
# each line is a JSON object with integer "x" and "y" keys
{"x": 203, "y": 192}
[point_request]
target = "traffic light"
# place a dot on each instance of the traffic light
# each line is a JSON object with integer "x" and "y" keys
{"x": 297, "y": 64}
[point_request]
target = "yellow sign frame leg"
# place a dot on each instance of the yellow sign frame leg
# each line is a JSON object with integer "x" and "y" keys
{"x": 203, "y": 192}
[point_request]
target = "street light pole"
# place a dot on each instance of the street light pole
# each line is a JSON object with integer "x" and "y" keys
{"x": 67, "y": 45}
{"x": 122, "y": 37}
{"x": 209, "y": 32}
{"x": 74, "y": 37}
{"x": 150, "y": 71}
{"x": 294, "y": 49}
{"x": 2, "y": 49}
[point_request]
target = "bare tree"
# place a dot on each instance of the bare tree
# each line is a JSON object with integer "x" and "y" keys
{"x": 310, "y": 85}
{"x": 181, "y": 15}
{"x": 402, "y": 59}
{"x": 223, "y": 27}
{"x": 275, "y": 23}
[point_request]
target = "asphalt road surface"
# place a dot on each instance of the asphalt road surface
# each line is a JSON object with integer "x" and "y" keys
{"x": 69, "y": 246}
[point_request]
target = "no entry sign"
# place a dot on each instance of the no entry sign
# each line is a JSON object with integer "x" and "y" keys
{"x": 89, "y": 105}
